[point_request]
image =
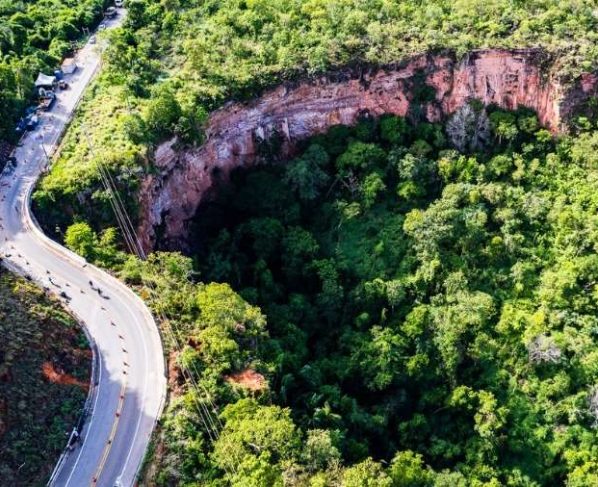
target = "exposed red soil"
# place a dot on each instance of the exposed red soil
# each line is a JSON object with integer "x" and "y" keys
{"x": 175, "y": 377}
{"x": 60, "y": 377}
{"x": 185, "y": 176}
{"x": 249, "y": 379}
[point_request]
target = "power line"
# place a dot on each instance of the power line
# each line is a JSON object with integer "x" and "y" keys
{"x": 136, "y": 248}
{"x": 134, "y": 245}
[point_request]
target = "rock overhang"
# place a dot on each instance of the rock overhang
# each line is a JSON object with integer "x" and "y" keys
{"x": 297, "y": 110}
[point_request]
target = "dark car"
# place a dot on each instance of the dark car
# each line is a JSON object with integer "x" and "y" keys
{"x": 46, "y": 102}
{"x": 32, "y": 121}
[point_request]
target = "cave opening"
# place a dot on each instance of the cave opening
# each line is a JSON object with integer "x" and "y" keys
{"x": 376, "y": 254}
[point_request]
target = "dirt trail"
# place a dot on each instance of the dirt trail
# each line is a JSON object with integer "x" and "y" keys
{"x": 58, "y": 377}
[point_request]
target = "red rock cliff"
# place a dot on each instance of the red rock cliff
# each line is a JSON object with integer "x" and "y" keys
{"x": 509, "y": 79}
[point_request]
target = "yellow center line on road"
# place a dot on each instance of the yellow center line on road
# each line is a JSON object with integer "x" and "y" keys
{"x": 119, "y": 409}
{"x": 108, "y": 446}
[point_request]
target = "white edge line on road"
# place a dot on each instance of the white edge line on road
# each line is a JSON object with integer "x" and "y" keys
{"x": 140, "y": 329}
{"x": 53, "y": 247}
{"x": 85, "y": 442}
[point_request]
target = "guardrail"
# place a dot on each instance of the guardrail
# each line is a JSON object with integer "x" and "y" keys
{"x": 16, "y": 269}
{"x": 87, "y": 407}
{"x": 33, "y": 225}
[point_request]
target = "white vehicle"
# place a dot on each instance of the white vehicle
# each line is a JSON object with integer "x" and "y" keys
{"x": 118, "y": 3}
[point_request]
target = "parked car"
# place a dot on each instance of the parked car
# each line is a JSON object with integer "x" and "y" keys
{"x": 46, "y": 101}
{"x": 92, "y": 40}
{"x": 73, "y": 439}
{"x": 118, "y": 3}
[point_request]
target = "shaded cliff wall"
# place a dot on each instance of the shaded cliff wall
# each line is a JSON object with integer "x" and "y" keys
{"x": 510, "y": 79}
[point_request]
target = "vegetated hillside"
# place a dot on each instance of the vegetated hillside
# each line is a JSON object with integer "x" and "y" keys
{"x": 386, "y": 311}
{"x": 406, "y": 314}
{"x": 34, "y": 36}
{"x": 44, "y": 376}
{"x": 175, "y": 60}
{"x": 426, "y": 307}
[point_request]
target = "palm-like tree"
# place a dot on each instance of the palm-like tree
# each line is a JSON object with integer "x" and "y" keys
{"x": 7, "y": 37}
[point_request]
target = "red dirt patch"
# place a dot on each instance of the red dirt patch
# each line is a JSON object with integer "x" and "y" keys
{"x": 59, "y": 377}
{"x": 249, "y": 379}
{"x": 176, "y": 381}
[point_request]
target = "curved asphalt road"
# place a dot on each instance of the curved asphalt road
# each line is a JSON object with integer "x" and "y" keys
{"x": 129, "y": 383}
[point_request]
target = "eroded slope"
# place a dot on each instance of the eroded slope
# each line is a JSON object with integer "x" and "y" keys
{"x": 427, "y": 87}
{"x": 44, "y": 372}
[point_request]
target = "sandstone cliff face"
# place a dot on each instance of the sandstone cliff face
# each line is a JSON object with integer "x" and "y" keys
{"x": 509, "y": 79}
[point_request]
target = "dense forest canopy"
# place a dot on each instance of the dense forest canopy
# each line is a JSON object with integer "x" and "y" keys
{"x": 174, "y": 60}
{"x": 424, "y": 301}
{"x": 384, "y": 309}
{"x": 34, "y": 36}
{"x": 415, "y": 315}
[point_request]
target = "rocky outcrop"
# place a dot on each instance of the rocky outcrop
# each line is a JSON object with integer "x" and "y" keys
{"x": 510, "y": 79}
